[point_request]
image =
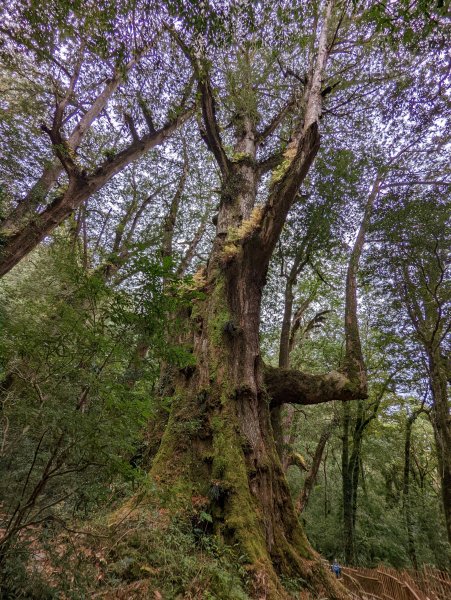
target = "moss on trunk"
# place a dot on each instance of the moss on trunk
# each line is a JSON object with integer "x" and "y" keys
{"x": 218, "y": 457}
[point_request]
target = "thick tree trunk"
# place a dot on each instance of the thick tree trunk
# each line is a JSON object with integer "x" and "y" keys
{"x": 218, "y": 447}
{"x": 219, "y": 443}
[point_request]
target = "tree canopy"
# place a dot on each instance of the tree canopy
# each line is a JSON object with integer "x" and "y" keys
{"x": 225, "y": 295}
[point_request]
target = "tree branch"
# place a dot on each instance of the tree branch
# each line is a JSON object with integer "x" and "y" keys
{"x": 131, "y": 126}
{"x": 276, "y": 121}
{"x": 299, "y": 154}
{"x": 189, "y": 254}
{"x": 270, "y": 163}
{"x": 171, "y": 217}
{"x": 49, "y": 176}
{"x": 211, "y": 135}
{"x": 79, "y": 189}
{"x": 355, "y": 364}
{"x": 294, "y": 387}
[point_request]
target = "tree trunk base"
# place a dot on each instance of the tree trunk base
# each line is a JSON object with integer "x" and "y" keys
{"x": 209, "y": 478}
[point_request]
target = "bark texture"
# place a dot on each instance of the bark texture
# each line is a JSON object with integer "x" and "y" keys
{"x": 219, "y": 446}
{"x": 295, "y": 387}
{"x": 219, "y": 443}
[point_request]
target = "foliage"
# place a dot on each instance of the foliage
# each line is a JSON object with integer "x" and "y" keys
{"x": 93, "y": 323}
{"x": 189, "y": 562}
{"x": 73, "y": 409}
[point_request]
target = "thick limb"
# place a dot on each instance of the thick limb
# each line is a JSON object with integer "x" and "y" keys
{"x": 294, "y": 387}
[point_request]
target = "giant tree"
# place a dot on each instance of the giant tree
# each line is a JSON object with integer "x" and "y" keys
{"x": 262, "y": 77}
{"x": 231, "y": 459}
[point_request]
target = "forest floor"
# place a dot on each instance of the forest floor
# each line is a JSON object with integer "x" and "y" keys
{"x": 159, "y": 561}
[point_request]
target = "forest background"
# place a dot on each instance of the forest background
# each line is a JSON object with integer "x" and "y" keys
{"x": 225, "y": 300}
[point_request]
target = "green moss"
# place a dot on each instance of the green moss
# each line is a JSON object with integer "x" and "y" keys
{"x": 279, "y": 172}
{"x": 229, "y": 467}
{"x": 8, "y": 232}
{"x": 168, "y": 464}
{"x": 242, "y": 519}
{"x": 241, "y": 156}
{"x": 219, "y": 314}
{"x": 353, "y": 386}
{"x": 189, "y": 427}
{"x": 237, "y": 235}
{"x": 216, "y": 326}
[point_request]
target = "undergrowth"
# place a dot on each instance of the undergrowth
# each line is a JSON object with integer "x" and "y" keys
{"x": 147, "y": 557}
{"x": 182, "y": 561}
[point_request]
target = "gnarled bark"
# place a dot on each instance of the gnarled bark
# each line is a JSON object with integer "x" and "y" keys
{"x": 231, "y": 459}
{"x": 290, "y": 385}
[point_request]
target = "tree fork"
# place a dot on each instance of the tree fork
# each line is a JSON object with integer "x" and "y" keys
{"x": 80, "y": 188}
